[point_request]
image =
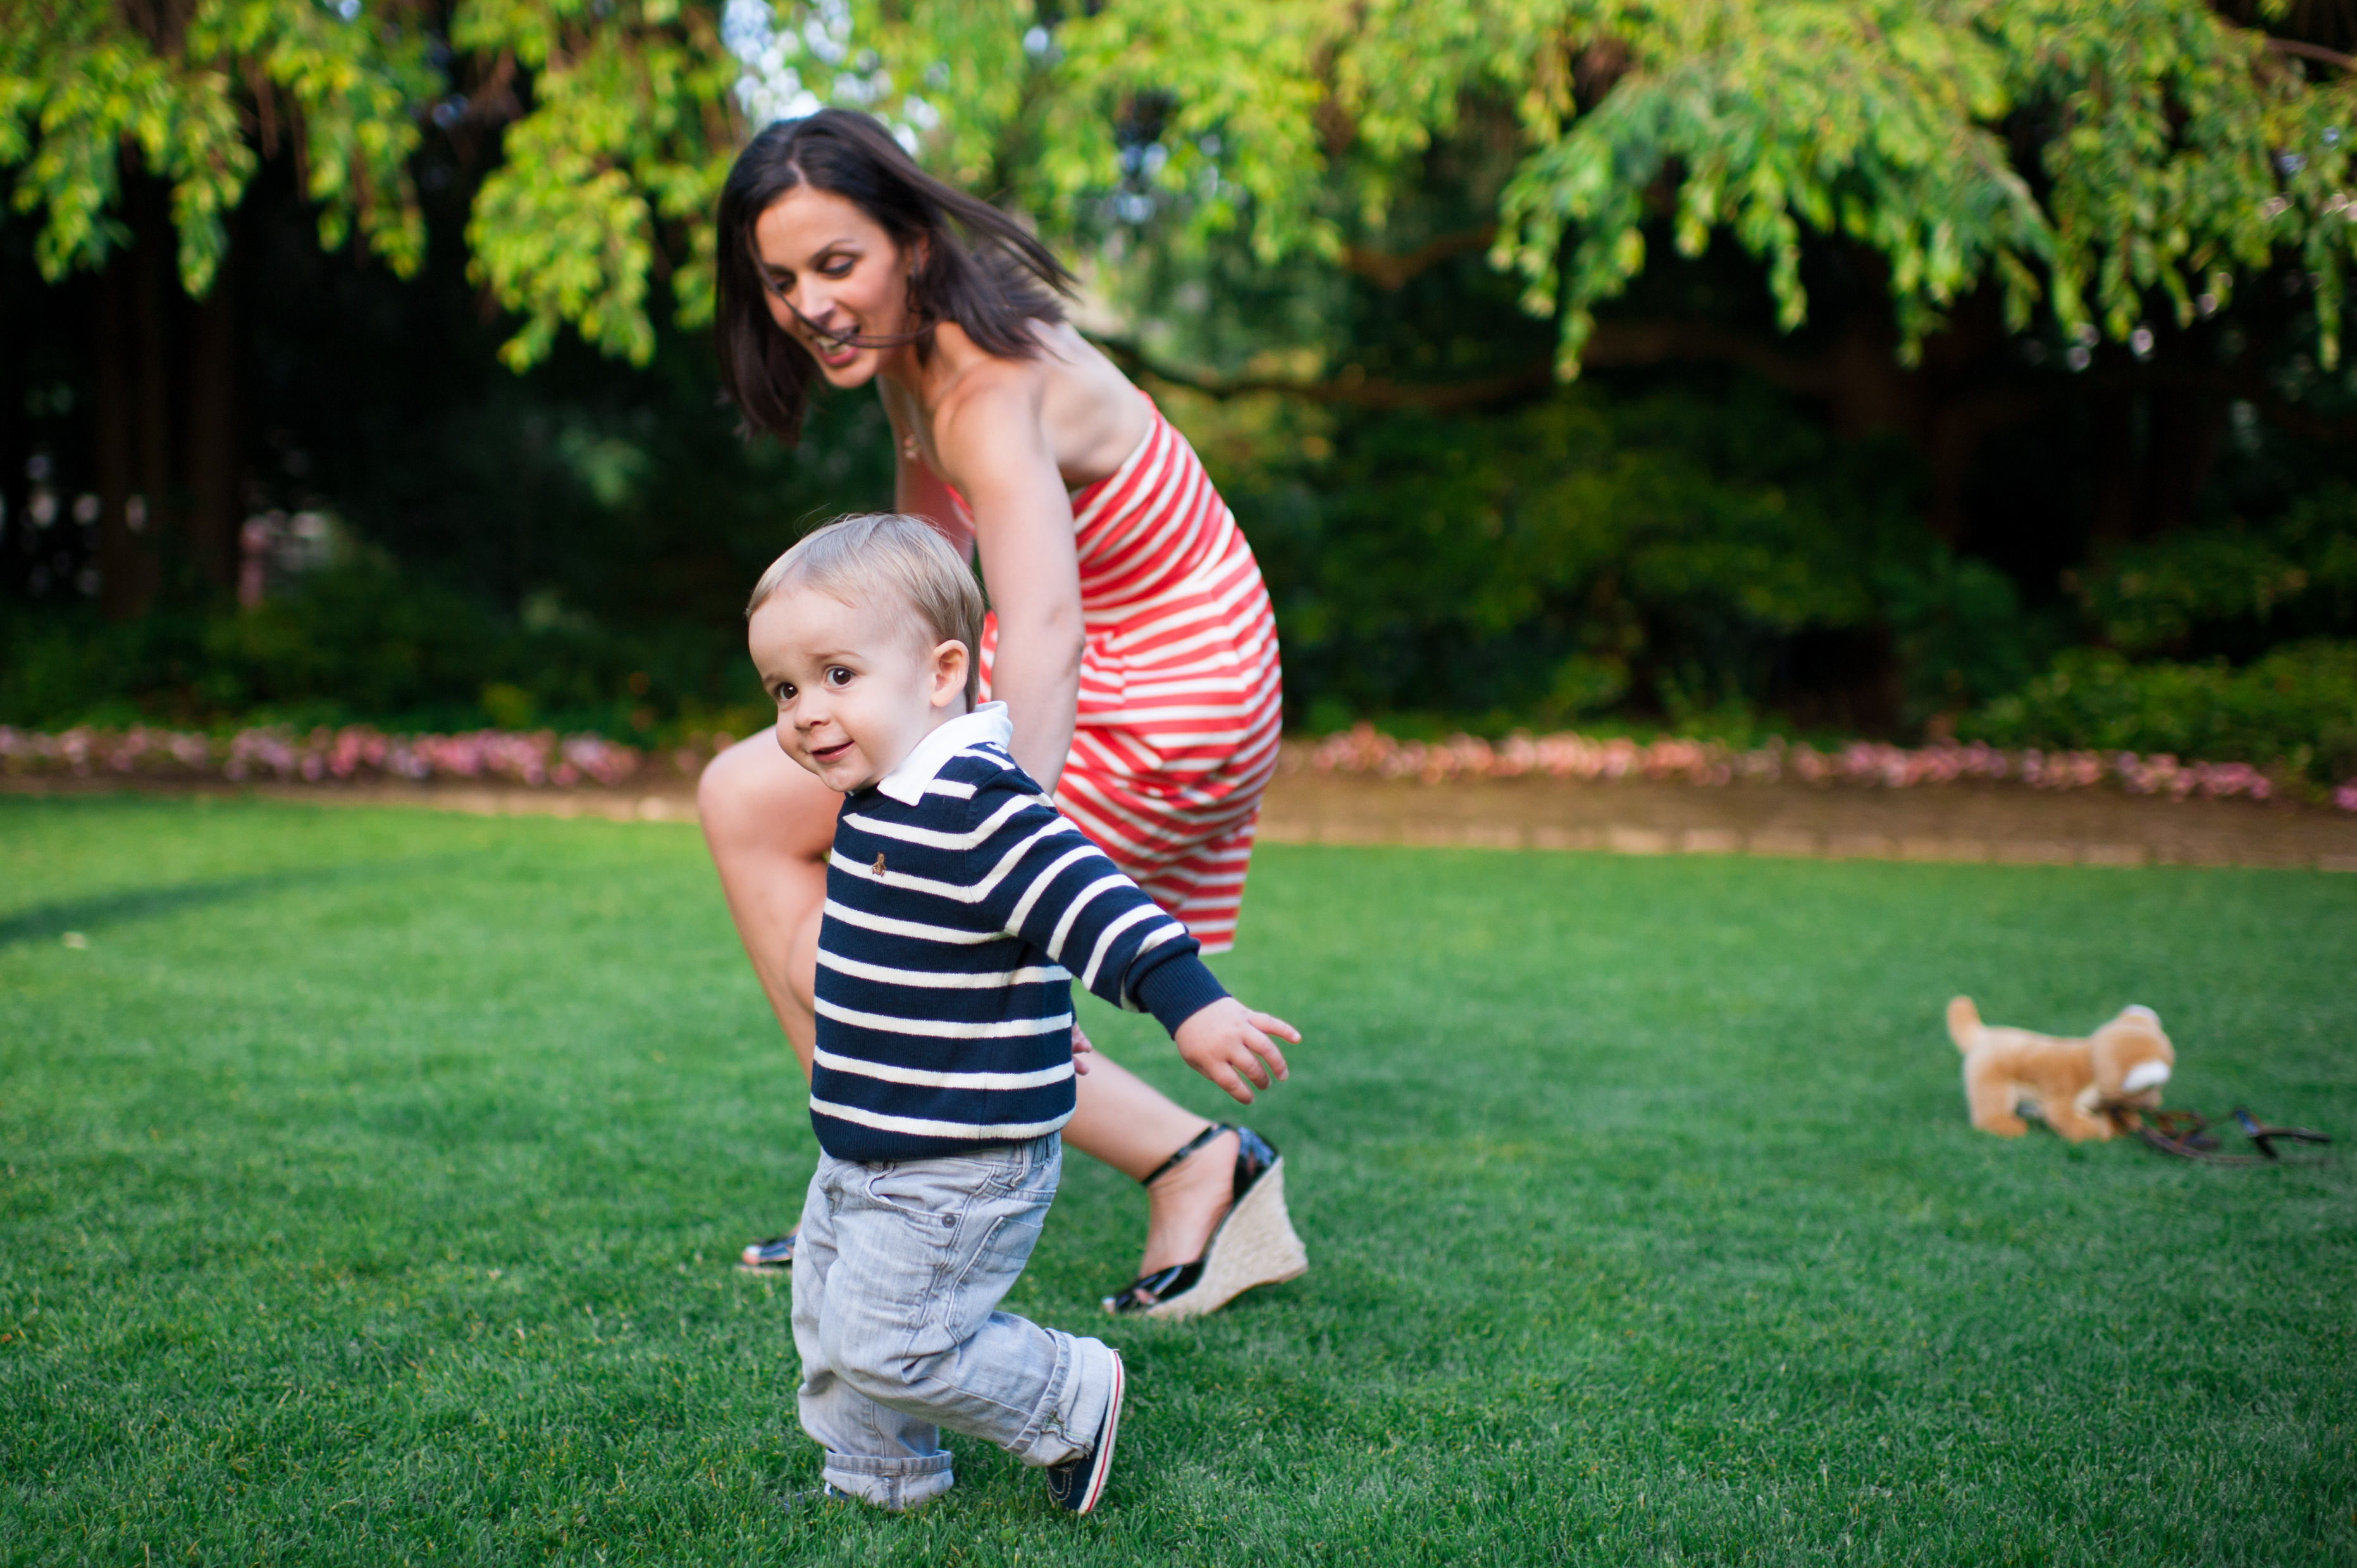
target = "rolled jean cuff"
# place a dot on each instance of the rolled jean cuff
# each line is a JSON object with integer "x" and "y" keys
{"x": 897, "y": 1485}
{"x": 1078, "y": 1394}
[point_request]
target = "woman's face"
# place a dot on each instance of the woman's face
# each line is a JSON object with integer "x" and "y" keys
{"x": 833, "y": 271}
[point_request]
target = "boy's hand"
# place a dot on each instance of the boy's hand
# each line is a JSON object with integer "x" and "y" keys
{"x": 1081, "y": 1050}
{"x": 1228, "y": 1039}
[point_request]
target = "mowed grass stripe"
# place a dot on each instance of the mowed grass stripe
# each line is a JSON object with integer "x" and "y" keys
{"x": 371, "y": 1180}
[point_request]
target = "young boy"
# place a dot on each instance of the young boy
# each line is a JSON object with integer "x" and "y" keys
{"x": 959, "y": 907}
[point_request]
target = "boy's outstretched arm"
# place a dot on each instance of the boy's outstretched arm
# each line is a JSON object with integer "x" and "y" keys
{"x": 1049, "y": 885}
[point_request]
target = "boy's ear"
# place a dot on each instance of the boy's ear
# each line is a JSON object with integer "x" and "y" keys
{"x": 950, "y": 661}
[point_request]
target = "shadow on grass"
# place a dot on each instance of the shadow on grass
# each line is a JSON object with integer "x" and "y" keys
{"x": 48, "y": 922}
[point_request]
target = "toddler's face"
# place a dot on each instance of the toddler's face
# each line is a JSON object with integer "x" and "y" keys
{"x": 857, "y": 686}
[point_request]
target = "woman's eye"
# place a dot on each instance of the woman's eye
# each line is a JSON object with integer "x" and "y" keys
{"x": 835, "y": 267}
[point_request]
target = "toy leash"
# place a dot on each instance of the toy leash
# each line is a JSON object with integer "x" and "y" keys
{"x": 2185, "y": 1135}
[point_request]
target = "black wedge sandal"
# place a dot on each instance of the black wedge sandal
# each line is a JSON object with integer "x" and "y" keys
{"x": 1253, "y": 1245}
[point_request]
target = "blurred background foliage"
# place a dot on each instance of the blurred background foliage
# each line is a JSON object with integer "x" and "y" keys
{"x": 1981, "y": 378}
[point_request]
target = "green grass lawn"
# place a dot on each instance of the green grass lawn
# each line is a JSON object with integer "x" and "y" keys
{"x": 373, "y": 1178}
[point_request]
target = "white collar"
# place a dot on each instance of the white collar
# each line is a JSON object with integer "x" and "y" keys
{"x": 987, "y": 724}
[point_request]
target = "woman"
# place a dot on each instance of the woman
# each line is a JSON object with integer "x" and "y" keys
{"x": 1130, "y": 638}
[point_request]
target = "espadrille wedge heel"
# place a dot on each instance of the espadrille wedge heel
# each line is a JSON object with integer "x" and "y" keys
{"x": 1254, "y": 1244}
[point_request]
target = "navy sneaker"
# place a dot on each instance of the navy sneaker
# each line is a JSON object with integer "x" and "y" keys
{"x": 1078, "y": 1483}
{"x": 773, "y": 1256}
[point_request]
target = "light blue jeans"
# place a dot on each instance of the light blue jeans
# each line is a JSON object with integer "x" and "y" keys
{"x": 898, "y": 1278}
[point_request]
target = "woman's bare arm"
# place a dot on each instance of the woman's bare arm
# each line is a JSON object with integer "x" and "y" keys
{"x": 994, "y": 446}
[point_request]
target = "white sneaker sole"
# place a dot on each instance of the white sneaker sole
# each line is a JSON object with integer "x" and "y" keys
{"x": 1101, "y": 1465}
{"x": 1254, "y": 1246}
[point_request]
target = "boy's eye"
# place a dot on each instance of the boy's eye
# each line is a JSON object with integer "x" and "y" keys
{"x": 836, "y": 675}
{"x": 785, "y": 692}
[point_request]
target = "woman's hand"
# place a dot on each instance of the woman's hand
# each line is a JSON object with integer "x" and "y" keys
{"x": 1227, "y": 1042}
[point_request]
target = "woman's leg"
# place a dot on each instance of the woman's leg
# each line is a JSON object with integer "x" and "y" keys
{"x": 768, "y": 825}
{"x": 1132, "y": 1126}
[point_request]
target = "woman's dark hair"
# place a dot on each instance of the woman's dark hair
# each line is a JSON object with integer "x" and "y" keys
{"x": 993, "y": 283}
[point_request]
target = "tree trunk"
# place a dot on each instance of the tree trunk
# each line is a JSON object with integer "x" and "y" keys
{"x": 126, "y": 566}
{"x": 1869, "y": 390}
{"x": 153, "y": 281}
{"x": 2118, "y": 475}
{"x": 212, "y": 430}
{"x": 2185, "y": 428}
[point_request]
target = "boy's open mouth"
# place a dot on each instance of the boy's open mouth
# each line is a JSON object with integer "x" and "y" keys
{"x": 829, "y": 753}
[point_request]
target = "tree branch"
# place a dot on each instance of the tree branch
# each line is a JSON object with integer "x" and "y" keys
{"x": 1613, "y": 345}
{"x": 2312, "y": 51}
{"x": 1625, "y": 344}
{"x": 1346, "y": 390}
{"x": 494, "y": 100}
{"x": 1390, "y": 269}
{"x": 1617, "y": 344}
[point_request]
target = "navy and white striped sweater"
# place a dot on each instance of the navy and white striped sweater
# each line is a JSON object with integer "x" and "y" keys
{"x": 958, "y": 906}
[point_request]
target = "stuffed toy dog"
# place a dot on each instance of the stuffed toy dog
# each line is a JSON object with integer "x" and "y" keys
{"x": 2071, "y": 1085}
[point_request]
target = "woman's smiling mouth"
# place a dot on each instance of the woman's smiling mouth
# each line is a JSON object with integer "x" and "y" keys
{"x": 834, "y": 348}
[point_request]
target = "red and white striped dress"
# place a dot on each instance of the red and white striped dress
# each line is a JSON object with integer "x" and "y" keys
{"x": 1180, "y": 700}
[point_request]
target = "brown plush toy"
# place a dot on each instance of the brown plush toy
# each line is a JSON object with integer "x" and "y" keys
{"x": 2068, "y": 1084}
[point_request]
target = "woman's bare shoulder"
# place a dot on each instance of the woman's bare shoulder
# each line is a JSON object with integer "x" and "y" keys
{"x": 989, "y": 404}
{"x": 1068, "y": 401}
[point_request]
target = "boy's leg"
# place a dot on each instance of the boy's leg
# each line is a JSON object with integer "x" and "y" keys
{"x": 878, "y": 1454}
{"x": 933, "y": 1246}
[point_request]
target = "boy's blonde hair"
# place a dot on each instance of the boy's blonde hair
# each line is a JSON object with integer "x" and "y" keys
{"x": 887, "y": 554}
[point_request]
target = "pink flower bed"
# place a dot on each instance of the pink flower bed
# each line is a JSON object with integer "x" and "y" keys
{"x": 1861, "y": 763}
{"x": 542, "y": 758}
{"x": 354, "y": 753}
